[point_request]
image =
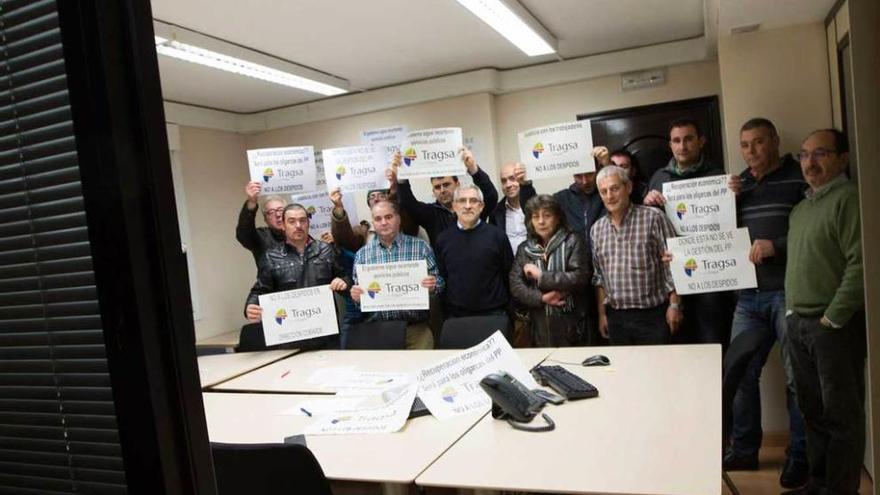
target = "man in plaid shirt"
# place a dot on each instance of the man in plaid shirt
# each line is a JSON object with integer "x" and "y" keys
{"x": 389, "y": 246}
{"x": 634, "y": 290}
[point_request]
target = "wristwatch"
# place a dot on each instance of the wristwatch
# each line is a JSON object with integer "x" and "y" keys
{"x": 675, "y": 306}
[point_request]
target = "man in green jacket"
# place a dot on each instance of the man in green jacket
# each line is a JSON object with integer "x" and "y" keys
{"x": 824, "y": 300}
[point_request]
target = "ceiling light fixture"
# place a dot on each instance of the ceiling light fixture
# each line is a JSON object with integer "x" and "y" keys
{"x": 171, "y": 44}
{"x": 515, "y": 23}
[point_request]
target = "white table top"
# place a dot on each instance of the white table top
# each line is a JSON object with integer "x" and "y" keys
{"x": 655, "y": 428}
{"x": 292, "y": 374}
{"x": 217, "y": 368}
{"x": 383, "y": 458}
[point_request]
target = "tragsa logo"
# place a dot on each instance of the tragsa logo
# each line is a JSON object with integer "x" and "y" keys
{"x": 310, "y": 210}
{"x": 448, "y": 393}
{"x": 373, "y": 289}
{"x": 690, "y": 266}
{"x": 268, "y": 173}
{"x": 340, "y": 171}
{"x": 537, "y": 149}
{"x": 680, "y": 210}
{"x": 280, "y": 316}
{"x": 409, "y": 156}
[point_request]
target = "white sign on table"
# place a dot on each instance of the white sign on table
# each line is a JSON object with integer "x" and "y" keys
{"x": 431, "y": 153}
{"x": 298, "y": 314}
{"x": 452, "y": 386}
{"x": 387, "y": 138}
{"x": 700, "y": 205}
{"x": 393, "y": 286}
{"x": 384, "y": 412}
{"x": 354, "y": 168}
{"x": 711, "y": 262}
{"x": 283, "y": 170}
{"x": 320, "y": 209}
{"x": 559, "y": 149}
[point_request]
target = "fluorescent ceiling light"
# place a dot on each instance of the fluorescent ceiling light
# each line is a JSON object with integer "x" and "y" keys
{"x": 216, "y": 60}
{"x": 500, "y": 16}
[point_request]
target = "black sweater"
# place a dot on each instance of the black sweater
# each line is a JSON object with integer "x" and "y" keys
{"x": 764, "y": 208}
{"x": 475, "y": 264}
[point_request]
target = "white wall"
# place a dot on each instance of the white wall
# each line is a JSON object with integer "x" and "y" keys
{"x": 515, "y": 112}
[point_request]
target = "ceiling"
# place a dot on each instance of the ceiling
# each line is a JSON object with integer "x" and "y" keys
{"x": 379, "y": 43}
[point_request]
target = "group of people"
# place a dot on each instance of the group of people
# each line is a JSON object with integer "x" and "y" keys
{"x": 588, "y": 265}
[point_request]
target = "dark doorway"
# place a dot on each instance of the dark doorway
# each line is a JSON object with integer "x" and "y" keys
{"x": 644, "y": 131}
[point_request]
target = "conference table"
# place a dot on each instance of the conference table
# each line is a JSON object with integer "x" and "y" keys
{"x": 654, "y": 429}
{"x": 217, "y": 368}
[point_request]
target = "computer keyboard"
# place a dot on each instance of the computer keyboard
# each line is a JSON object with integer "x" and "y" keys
{"x": 564, "y": 382}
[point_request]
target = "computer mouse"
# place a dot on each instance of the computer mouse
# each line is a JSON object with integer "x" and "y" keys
{"x": 597, "y": 360}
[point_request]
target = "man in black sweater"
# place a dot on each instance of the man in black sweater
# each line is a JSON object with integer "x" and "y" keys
{"x": 255, "y": 239}
{"x": 474, "y": 258}
{"x": 438, "y": 216}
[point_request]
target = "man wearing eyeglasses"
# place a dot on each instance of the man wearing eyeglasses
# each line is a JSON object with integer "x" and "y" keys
{"x": 255, "y": 239}
{"x": 766, "y": 193}
{"x": 824, "y": 300}
{"x": 474, "y": 258}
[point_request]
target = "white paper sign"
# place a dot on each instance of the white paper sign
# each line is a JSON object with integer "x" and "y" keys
{"x": 381, "y": 413}
{"x": 559, "y": 149}
{"x": 393, "y": 286}
{"x": 386, "y": 138}
{"x": 298, "y": 314}
{"x": 283, "y": 170}
{"x": 711, "y": 262}
{"x": 700, "y": 205}
{"x": 451, "y": 386}
{"x": 431, "y": 153}
{"x": 354, "y": 168}
{"x": 320, "y": 209}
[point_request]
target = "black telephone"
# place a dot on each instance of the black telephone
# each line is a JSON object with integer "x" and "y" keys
{"x": 512, "y": 401}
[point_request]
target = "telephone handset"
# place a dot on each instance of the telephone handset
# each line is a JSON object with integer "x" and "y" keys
{"x": 512, "y": 401}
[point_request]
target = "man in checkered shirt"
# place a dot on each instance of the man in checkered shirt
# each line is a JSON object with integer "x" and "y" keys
{"x": 637, "y": 300}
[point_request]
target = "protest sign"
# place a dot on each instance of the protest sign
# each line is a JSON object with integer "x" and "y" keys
{"x": 383, "y": 412}
{"x": 559, "y": 149}
{"x": 298, "y": 314}
{"x": 354, "y": 168}
{"x": 388, "y": 139}
{"x": 283, "y": 170}
{"x": 700, "y": 205}
{"x": 431, "y": 153}
{"x": 711, "y": 262}
{"x": 393, "y": 286}
{"x": 320, "y": 209}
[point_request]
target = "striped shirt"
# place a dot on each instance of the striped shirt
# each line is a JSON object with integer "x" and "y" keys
{"x": 764, "y": 208}
{"x": 402, "y": 248}
{"x": 627, "y": 259}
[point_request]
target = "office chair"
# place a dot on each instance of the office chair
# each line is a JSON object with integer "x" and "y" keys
{"x": 377, "y": 335}
{"x": 461, "y": 333}
{"x": 736, "y": 361}
{"x": 267, "y": 469}
{"x": 252, "y": 339}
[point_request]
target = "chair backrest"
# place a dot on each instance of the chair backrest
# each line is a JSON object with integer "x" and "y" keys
{"x": 267, "y": 469}
{"x": 251, "y": 338}
{"x": 736, "y": 361}
{"x": 461, "y": 333}
{"x": 378, "y": 335}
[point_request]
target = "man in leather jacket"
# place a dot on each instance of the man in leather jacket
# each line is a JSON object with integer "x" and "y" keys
{"x": 255, "y": 239}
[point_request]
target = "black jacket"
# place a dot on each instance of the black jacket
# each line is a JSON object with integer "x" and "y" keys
{"x": 283, "y": 268}
{"x": 498, "y": 216}
{"x": 434, "y": 217}
{"x": 581, "y": 209}
{"x": 255, "y": 239}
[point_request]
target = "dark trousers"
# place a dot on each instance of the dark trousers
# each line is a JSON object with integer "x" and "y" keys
{"x": 829, "y": 377}
{"x": 707, "y": 318}
{"x": 637, "y": 326}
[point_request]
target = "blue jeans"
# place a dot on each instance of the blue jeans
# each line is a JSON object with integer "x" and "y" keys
{"x": 762, "y": 311}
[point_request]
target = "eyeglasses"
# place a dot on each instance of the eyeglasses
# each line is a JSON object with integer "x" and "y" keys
{"x": 816, "y": 154}
{"x": 276, "y": 211}
{"x": 469, "y": 201}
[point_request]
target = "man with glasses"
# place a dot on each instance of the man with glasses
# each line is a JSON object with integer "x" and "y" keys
{"x": 766, "y": 193}
{"x": 300, "y": 261}
{"x": 824, "y": 301}
{"x": 474, "y": 259}
{"x": 255, "y": 239}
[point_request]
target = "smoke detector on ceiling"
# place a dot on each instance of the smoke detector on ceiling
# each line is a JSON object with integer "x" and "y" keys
{"x": 748, "y": 28}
